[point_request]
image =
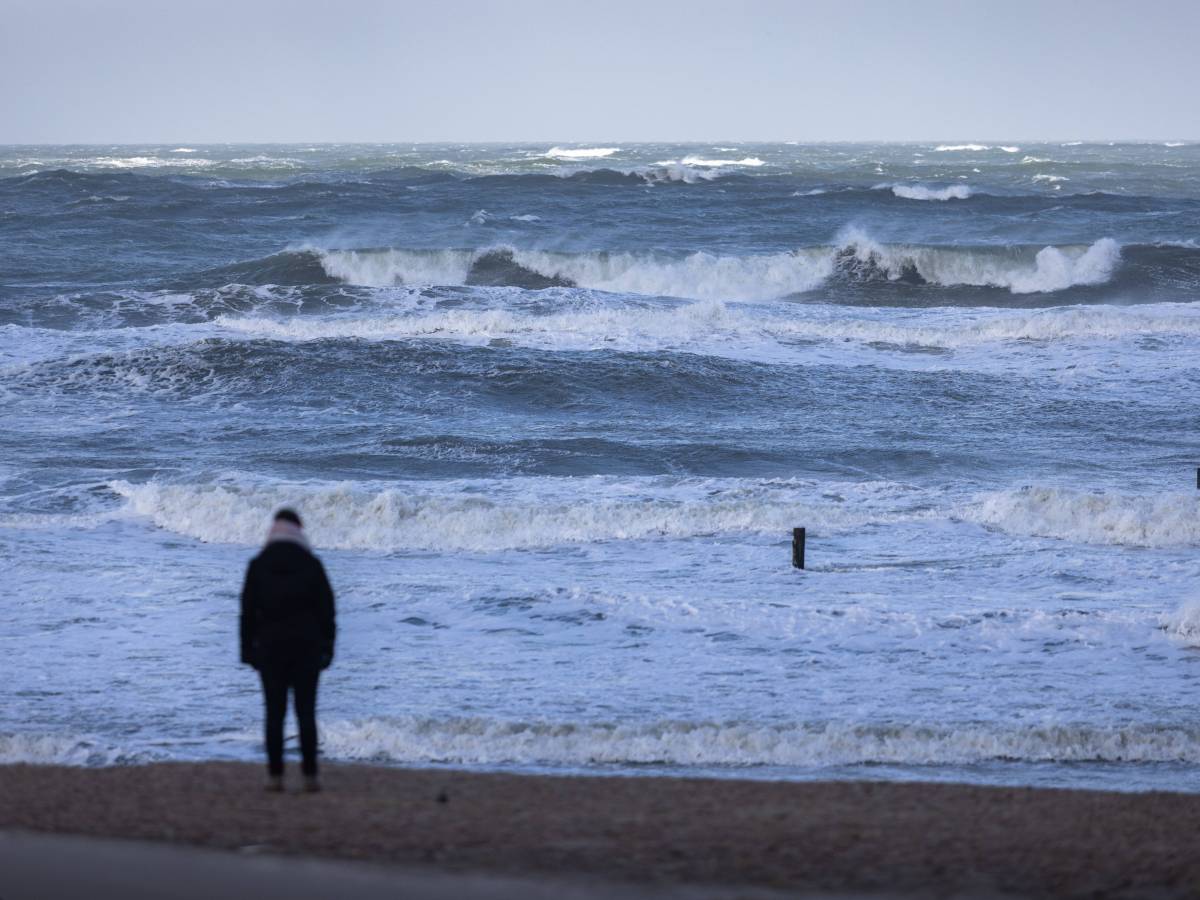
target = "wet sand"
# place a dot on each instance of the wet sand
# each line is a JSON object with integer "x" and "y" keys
{"x": 643, "y": 836}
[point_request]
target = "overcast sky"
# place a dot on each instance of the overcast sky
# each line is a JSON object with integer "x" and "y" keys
{"x": 111, "y": 71}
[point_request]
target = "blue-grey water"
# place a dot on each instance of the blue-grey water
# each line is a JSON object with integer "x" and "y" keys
{"x": 551, "y": 415}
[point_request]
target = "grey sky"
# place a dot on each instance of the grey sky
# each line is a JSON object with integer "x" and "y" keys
{"x": 359, "y": 70}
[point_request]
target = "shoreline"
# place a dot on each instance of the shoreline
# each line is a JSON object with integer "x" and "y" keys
{"x": 840, "y": 837}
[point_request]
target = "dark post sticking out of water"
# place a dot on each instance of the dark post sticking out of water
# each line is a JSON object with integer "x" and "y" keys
{"x": 798, "y": 545}
{"x": 1198, "y": 479}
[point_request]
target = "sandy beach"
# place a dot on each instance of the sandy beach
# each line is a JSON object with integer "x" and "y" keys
{"x": 641, "y": 834}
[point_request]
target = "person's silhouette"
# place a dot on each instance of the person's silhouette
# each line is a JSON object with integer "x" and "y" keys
{"x": 288, "y": 629}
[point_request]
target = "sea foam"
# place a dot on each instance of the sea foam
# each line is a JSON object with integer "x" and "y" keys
{"x": 715, "y": 327}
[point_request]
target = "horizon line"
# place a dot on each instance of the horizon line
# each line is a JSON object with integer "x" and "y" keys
{"x": 560, "y": 141}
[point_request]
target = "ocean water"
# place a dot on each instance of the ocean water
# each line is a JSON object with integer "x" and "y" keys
{"x": 551, "y": 415}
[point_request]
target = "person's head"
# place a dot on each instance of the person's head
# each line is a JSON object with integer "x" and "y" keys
{"x": 289, "y": 515}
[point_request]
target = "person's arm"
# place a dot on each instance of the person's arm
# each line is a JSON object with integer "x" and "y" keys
{"x": 327, "y": 616}
{"x": 247, "y": 619}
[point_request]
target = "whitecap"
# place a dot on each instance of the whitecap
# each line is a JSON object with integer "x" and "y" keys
{"x": 750, "y": 161}
{"x": 581, "y": 153}
{"x": 921, "y": 192}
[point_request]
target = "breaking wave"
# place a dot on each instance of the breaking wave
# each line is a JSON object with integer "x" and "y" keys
{"x": 708, "y": 276}
{"x": 1157, "y": 521}
{"x": 63, "y": 750}
{"x": 493, "y": 516}
{"x": 481, "y": 741}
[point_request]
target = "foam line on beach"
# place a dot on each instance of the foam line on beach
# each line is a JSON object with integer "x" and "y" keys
{"x": 480, "y": 741}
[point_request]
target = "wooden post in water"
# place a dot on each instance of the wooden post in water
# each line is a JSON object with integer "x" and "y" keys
{"x": 1198, "y": 479}
{"x": 798, "y": 546}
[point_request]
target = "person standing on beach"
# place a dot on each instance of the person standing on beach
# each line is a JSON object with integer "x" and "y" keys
{"x": 288, "y": 628}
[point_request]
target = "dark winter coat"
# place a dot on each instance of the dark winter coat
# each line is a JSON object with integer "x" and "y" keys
{"x": 287, "y": 607}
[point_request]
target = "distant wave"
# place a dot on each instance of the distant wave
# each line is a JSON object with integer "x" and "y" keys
{"x": 483, "y": 217}
{"x": 665, "y": 172}
{"x": 150, "y": 162}
{"x": 1163, "y": 520}
{"x": 975, "y": 148}
{"x": 705, "y": 276}
{"x": 921, "y": 192}
{"x": 581, "y": 153}
{"x": 750, "y": 161}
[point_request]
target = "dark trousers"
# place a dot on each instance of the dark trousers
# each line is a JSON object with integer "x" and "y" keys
{"x": 299, "y": 674}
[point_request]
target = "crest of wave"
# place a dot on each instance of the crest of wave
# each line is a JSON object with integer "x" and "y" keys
{"x": 1051, "y": 269}
{"x": 752, "y": 162}
{"x": 1162, "y": 520}
{"x": 581, "y": 152}
{"x": 1184, "y": 623}
{"x": 487, "y": 517}
{"x": 481, "y": 741}
{"x": 708, "y": 276}
{"x": 670, "y": 171}
{"x": 921, "y": 192}
{"x": 698, "y": 276}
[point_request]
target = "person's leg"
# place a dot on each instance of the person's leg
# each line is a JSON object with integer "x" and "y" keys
{"x": 304, "y": 685}
{"x": 275, "y": 685}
